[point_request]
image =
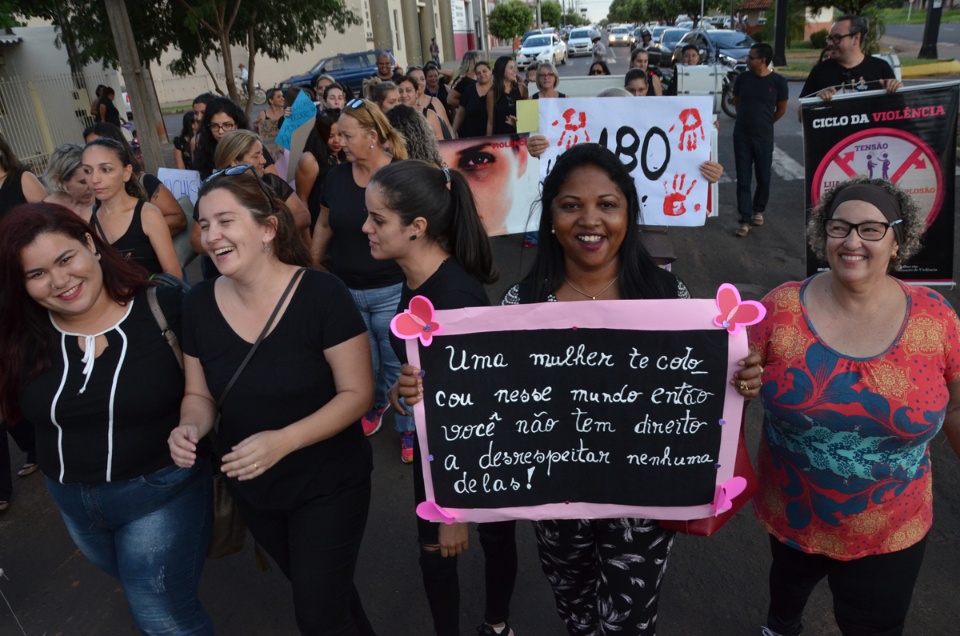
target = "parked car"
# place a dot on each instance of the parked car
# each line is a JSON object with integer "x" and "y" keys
{"x": 620, "y": 35}
{"x": 668, "y": 40}
{"x": 349, "y": 69}
{"x": 542, "y": 48}
{"x": 581, "y": 41}
{"x": 716, "y": 42}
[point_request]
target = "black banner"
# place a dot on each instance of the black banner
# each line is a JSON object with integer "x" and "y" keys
{"x": 909, "y": 138}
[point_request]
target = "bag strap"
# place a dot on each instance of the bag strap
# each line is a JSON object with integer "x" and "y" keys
{"x": 165, "y": 329}
{"x": 263, "y": 334}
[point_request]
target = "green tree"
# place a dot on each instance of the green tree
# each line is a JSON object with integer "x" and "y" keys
{"x": 509, "y": 19}
{"x": 574, "y": 19}
{"x": 550, "y": 13}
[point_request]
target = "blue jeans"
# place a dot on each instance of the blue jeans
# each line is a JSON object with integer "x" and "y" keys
{"x": 752, "y": 154}
{"x": 378, "y": 307}
{"x": 151, "y": 534}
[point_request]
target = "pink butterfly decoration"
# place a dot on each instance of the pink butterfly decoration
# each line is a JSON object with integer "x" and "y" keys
{"x": 416, "y": 322}
{"x": 432, "y": 512}
{"x": 726, "y": 493}
{"x": 734, "y": 312}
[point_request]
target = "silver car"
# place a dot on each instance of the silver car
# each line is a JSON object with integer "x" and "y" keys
{"x": 581, "y": 41}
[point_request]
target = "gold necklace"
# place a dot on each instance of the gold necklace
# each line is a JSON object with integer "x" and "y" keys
{"x": 591, "y": 296}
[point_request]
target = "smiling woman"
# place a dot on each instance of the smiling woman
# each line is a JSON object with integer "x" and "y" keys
{"x": 79, "y": 338}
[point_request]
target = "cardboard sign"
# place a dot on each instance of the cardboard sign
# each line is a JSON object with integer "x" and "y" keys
{"x": 181, "y": 182}
{"x": 301, "y": 112}
{"x": 578, "y": 410}
{"x": 662, "y": 142}
{"x": 908, "y": 138}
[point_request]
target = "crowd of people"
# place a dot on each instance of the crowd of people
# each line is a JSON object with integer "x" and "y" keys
{"x": 288, "y": 356}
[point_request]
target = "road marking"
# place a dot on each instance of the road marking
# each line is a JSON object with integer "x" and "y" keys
{"x": 785, "y": 167}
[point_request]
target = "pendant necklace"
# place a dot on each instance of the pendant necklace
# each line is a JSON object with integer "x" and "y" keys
{"x": 592, "y": 296}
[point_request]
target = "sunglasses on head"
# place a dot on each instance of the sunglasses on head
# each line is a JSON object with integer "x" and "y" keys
{"x": 233, "y": 171}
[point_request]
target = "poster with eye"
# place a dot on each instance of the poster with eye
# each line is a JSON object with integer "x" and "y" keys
{"x": 907, "y": 138}
{"x": 579, "y": 410}
{"x": 661, "y": 141}
{"x": 503, "y": 178}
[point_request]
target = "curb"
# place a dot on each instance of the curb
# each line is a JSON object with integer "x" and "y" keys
{"x": 949, "y": 67}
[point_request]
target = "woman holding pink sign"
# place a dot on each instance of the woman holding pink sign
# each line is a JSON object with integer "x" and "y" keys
{"x": 424, "y": 218}
{"x": 861, "y": 373}
{"x": 605, "y": 573}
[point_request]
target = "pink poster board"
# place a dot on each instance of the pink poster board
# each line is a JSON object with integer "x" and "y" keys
{"x": 507, "y": 428}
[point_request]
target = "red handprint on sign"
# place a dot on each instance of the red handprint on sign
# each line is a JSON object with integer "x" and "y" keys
{"x": 673, "y": 204}
{"x": 575, "y": 122}
{"x": 690, "y": 118}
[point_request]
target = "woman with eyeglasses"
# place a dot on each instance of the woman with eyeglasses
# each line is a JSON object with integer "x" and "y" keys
{"x": 341, "y": 247}
{"x": 471, "y": 118}
{"x": 221, "y": 116}
{"x": 84, "y": 361}
{"x": 547, "y": 81}
{"x": 424, "y": 218}
{"x": 502, "y": 99}
{"x": 289, "y": 437}
{"x": 860, "y": 373}
{"x": 243, "y": 147}
{"x": 599, "y": 68}
{"x": 122, "y": 217}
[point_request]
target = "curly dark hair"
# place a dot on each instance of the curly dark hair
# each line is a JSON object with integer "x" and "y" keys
{"x": 914, "y": 220}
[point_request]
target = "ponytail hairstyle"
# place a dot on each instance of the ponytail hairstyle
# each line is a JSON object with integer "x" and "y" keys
{"x": 370, "y": 117}
{"x": 233, "y": 146}
{"x": 256, "y": 196}
{"x": 63, "y": 163}
{"x": 132, "y": 185}
{"x": 26, "y": 337}
{"x": 112, "y": 131}
{"x": 443, "y": 198}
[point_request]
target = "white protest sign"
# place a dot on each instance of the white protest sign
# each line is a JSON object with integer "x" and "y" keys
{"x": 662, "y": 141}
{"x": 181, "y": 182}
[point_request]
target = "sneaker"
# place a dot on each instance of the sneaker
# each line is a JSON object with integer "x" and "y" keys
{"x": 372, "y": 420}
{"x": 486, "y": 630}
{"x": 758, "y": 218}
{"x": 406, "y": 447}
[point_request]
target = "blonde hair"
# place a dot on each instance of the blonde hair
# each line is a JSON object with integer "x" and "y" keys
{"x": 370, "y": 117}
{"x": 233, "y": 146}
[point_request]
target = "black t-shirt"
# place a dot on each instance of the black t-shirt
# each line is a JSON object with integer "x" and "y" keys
{"x": 537, "y": 95}
{"x": 112, "y": 114}
{"x": 348, "y": 255}
{"x": 474, "y": 122}
{"x": 287, "y": 379}
{"x": 758, "y": 97}
{"x": 450, "y": 287}
{"x": 506, "y": 105}
{"x": 116, "y": 427}
{"x": 862, "y": 77}
{"x": 397, "y": 77}
{"x": 280, "y": 188}
{"x": 11, "y": 192}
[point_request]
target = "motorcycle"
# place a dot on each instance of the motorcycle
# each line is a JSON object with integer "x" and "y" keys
{"x": 735, "y": 68}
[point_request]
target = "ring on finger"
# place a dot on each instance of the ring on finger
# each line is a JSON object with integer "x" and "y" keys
{"x": 743, "y": 385}
{"x": 255, "y": 467}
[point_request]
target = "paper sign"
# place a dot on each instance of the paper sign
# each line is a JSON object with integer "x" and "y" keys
{"x": 528, "y": 115}
{"x": 662, "y": 142}
{"x": 301, "y": 111}
{"x": 297, "y": 142}
{"x": 181, "y": 182}
{"x": 579, "y": 410}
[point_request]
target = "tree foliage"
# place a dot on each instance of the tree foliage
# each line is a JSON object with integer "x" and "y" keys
{"x": 550, "y": 13}
{"x": 509, "y": 19}
{"x": 197, "y": 29}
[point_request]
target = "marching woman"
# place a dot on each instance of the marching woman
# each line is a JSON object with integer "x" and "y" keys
{"x": 424, "y": 218}
{"x": 503, "y": 97}
{"x": 122, "y": 218}
{"x": 281, "y": 353}
{"x": 340, "y": 245}
{"x": 85, "y": 362}
{"x": 605, "y": 573}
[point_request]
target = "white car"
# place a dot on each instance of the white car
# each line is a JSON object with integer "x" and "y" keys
{"x": 620, "y": 35}
{"x": 542, "y": 48}
{"x": 581, "y": 41}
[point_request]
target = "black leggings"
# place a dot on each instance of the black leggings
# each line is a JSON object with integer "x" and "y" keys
{"x": 871, "y": 595}
{"x": 316, "y": 545}
{"x": 440, "y": 580}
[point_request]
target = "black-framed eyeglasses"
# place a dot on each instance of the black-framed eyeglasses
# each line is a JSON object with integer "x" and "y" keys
{"x": 837, "y": 38}
{"x": 233, "y": 171}
{"x": 868, "y": 230}
{"x": 226, "y": 126}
